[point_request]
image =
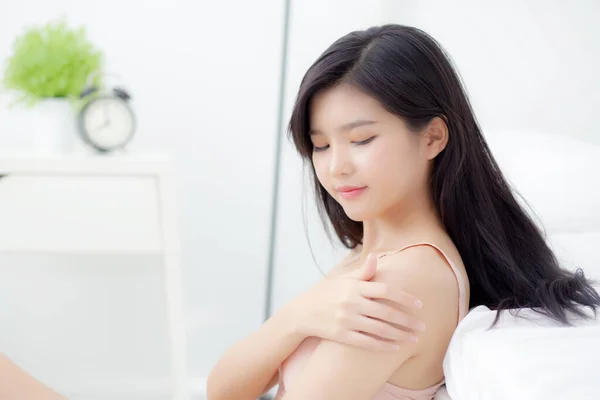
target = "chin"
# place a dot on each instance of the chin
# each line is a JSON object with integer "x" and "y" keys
{"x": 358, "y": 215}
{"x": 356, "y": 218}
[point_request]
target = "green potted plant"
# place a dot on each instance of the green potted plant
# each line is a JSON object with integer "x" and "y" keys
{"x": 49, "y": 66}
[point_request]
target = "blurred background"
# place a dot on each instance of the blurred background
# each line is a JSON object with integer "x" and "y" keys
{"x": 212, "y": 84}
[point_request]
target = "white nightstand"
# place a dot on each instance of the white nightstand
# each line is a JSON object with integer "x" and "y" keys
{"x": 102, "y": 212}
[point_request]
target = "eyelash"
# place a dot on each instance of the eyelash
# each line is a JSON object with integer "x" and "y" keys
{"x": 362, "y": 143}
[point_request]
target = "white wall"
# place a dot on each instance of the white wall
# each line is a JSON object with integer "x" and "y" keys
{"x": 526, "y": 64}
{"x": 204, "y": 78}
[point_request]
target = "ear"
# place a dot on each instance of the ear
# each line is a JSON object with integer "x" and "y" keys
{"x": 435, "y": 136}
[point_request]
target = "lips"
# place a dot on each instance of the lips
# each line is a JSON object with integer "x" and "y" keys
{"x": 349, "y": 192}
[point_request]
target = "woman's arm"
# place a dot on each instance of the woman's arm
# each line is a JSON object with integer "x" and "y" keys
{"x": 338, "y": 371}
{"x": 249, "y": 368}
{"x": 16, "y": 384}
{"x": 339, "y": 309}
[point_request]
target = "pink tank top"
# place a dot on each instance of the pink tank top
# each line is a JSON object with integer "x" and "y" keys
{"x": 292, "y": 366}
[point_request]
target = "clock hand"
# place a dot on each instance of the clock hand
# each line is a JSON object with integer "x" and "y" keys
{"x": 104, "y": 124}
{"x": 105, "y": 114}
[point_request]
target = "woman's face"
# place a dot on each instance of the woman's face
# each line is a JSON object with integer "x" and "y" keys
{"x": 365, "y": 157}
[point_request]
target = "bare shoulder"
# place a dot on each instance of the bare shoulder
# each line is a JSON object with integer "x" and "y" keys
{"x": 425, "y": 273}
{"x": 419, "y": 265}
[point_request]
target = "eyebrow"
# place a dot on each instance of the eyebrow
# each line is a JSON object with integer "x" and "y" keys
{"x": 347, "y": 127}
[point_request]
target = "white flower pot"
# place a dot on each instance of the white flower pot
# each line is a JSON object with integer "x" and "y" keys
{"x": 52, "y": 124}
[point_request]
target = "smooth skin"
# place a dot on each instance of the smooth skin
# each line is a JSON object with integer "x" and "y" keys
{"x": 335, "y": 308}
{"x": 358, "y": 143}
{"x": 17, "y": 384}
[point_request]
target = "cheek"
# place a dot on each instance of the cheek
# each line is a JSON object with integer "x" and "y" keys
{"x": 393, "y": 164}
{"x": 383, "y": 162}
{"x": 320, "y": 167}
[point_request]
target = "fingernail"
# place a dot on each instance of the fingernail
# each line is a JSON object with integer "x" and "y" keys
{"x": 420, "y": 326}
{"x": 413, "y": 339}
{"x": 418, "y": 303}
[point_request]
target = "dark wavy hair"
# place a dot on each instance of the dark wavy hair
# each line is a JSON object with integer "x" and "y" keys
{"x": 509, "y": 264}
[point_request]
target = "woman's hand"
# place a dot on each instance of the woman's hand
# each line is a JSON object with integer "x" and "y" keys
{"x": 345, "y": 309}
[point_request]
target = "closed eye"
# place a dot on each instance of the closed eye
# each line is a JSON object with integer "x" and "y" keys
{"x": 369, "y": 140}
{"x": 361, "y": 143}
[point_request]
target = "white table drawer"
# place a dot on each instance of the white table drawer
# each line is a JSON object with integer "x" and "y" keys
{"x": 77, "y": 213}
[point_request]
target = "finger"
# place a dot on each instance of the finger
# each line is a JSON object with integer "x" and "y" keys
{"x": 389, "y": 314}
{"x": 379, "y": 290}
{"x": 370, "y": 267}
{"x": 382, "y": 330}
{"x": 367, "y": 270}
{"x": 362, "y": 340}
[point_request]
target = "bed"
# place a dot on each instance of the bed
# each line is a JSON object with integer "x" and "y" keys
{"x": 533, "y": 358}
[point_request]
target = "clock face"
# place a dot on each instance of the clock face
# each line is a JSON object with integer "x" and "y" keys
{"x": 107, "y": 123}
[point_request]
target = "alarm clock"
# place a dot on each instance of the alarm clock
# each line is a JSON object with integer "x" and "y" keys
{"x": 106, "y": 122}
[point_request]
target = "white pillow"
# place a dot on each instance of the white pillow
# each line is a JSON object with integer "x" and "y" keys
{"x": 527, "y": 359}
{"x": 534, "y": 358}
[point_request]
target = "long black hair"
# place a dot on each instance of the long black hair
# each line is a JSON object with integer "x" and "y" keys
{"x": 509, "y": 264}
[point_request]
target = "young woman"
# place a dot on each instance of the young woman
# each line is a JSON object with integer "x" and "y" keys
{"x": 405, "y": 178}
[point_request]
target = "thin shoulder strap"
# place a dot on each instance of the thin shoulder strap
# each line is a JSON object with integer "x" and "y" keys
{"x": 462, "y": 305}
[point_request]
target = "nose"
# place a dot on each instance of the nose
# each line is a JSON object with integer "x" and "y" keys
{"x": 341, "y": 162}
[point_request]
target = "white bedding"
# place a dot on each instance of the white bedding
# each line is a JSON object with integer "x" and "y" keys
{"x": 442, "y": 394}
{"x": 522, "y": 359}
